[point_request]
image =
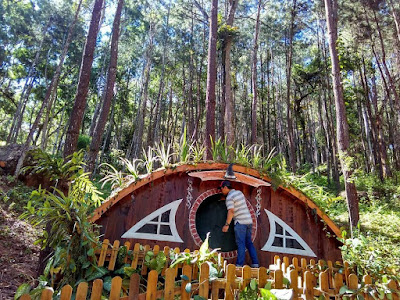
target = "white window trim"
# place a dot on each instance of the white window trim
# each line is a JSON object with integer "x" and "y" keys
{"x": 173, "y": 206}
{"x": 273, "y": 219}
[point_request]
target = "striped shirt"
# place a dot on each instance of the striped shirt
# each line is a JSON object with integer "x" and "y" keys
{"x": 236, "y": 200}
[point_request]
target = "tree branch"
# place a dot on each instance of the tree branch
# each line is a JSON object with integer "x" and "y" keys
{"x": 205, "y": 15}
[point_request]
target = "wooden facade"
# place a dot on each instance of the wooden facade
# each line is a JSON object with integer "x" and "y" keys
{"x": 176, "y": 206}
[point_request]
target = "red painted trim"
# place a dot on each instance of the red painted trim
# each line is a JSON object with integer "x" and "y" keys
{"x": 192, "y": 221}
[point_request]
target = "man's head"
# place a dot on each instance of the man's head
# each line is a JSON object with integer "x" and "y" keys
{"x": 225, "y": 187}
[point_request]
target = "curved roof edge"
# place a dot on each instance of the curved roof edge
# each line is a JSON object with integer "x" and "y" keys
{"x": 115, "y": 198}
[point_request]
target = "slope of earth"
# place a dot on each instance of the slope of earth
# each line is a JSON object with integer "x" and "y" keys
{"x": 18, "y": 255}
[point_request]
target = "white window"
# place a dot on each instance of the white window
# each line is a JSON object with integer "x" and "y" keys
{"x": 283, "y": 239}
{"x": 159, "y": 225}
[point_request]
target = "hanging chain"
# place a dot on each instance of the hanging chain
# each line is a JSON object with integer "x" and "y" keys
{"x": 189, "y": 196}
{"x": 258, "y": 198}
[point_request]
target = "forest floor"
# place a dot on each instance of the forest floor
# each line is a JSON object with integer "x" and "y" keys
{"x": 18, "y": 254}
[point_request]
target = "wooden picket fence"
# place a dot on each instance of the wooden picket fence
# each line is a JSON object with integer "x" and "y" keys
{"x": 306, "y": 280}
{"x": 107, "y": 255}
{"x": 235, "y": 280}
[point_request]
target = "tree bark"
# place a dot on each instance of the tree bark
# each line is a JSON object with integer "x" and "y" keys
{"x": 49, "y": 94}
{"x": 30, "y": 79}
{"x": 159, "y": 103}
{"x": 211, "y": 79}
{"x": 254, "y": 78}
{"x": 76, "y": 117}
{"x": 228, "y": 124}
{"x": 396, "y": 18}
{"x": 342, "y": 125}
{"x": 290, "y": 133}
{"x": 51, "y": 91}
{"x": 108, "y": 93}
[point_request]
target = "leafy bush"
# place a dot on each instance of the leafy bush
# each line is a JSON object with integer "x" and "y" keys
{"x": 69, "y": 234}
{"x": 388, "y": 190}
{"x": 17, "y": 196}
{"x": 373, "y": 255}
{"x": 199, "y": 257}
{"x": 253, "y": 292}
{"x": 83, "y": 142}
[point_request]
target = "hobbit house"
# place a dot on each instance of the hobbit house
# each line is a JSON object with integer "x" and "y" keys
{"x": 178, "y": 206}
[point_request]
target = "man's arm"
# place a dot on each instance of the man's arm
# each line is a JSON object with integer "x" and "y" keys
{"x": 228, "y": 220}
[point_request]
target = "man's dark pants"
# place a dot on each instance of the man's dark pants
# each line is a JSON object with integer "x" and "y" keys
{"x": 243, "y": 241}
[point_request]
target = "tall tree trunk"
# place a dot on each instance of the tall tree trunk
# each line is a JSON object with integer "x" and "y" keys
{"x": 142, "y": 111}
{"x": 396, "y": 18}
{"x": 199, "y": 110}
{"x": 228, "y": 124}
{"x": 254, "y": 78}
{"x": 30, "y": 79}
{"x": 76, "y": 116}
{"x": 51, "y": 91}
{"x": 211, "y": 79}
{"x": 342, "y": 125}
{"x": 328, "y": 104}
{"x": 108, "y": 93}
{"x": 289, "y": 59}
{"x": 159, "y": 103}
{"x": 49, "y": 94}
{"x": 107, "y": 138}
{"x": 100, "y": 87}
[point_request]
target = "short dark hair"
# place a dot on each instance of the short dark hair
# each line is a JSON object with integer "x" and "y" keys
{"x": 225, "y": 183}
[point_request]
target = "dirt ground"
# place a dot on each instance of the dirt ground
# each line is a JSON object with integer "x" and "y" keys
{"x": 18, "y": 255}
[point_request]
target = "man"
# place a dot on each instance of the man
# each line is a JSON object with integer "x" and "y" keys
{"x": 240, "y": 214}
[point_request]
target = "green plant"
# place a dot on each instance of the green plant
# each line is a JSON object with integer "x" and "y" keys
{"x": 197, "y": 151}
{"x": 83, "y": 142}
{"x": 112, "y": 175}
{"x": 220, "y": 150}
{"x": 155, "y": 262}
{"x": 17, "y": 196}
{"x": 132, "y": 166}
{"x": 184, "y": 148}
{"x": 376, "y": 290}
{"x": 256, "y": 157}
{"x": 253, "y": 292}
{"x": 68, "y": 233}
{"x": 55, "y": 168}
{"x": 163, "y": 154}
{"x": 373, "y": 255}
{"x": 149, "y": 159}
{"x": 242, "y": 155}
{"x": 66, "y": 174}
{"x": 204, "y": 255}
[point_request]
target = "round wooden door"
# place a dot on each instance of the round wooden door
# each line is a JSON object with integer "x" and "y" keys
{"x": 211, "y": 217}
